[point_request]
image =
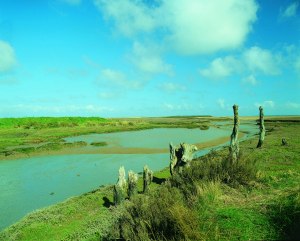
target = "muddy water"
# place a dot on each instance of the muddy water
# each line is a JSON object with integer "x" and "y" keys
{"x": 31, "y": 183}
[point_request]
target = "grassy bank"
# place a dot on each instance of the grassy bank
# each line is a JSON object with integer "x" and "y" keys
{"x": 257, "y": 199}
{"x": 21, "y": 137}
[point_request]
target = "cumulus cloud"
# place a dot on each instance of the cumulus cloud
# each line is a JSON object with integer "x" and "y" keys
{"x": 130, "y": 16}
{"x": 266, "y": 104}
{"x": 7, "y": 59}
{"x": 118, "y": 78}
{"x": 291, "y": 10}
{"x": 252, "y": 60}
{"x": 188, "y": 26}
{"x": 148, "y": 59}
{"x": 220, "y": 68}
{"x": 200, "y": 26}
{"x": 258, "y": 59}
{"x": 251, "y": 80}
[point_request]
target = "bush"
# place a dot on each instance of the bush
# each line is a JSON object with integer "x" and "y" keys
{"x": 161, "y": 215}
{"x": 216, "y": 167}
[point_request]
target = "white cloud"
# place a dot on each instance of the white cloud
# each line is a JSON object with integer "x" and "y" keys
{"x": 7, "y": 59}
{"x": 201, "y": 26}
{"x": 253, "y": 60}
{"x": 72, "y": 2}
{"x": 291, "y": 10}
{"x": 188, "y": 26}
{"x": 130, "y": 17}
{"x": 251, "y": 80}
{"x": 220, "y": 68}
{"x": 266, "y": 104}
{"x": 263, "y": 60}
{"x": 221, "y": 103}
{"x": 117, "y": 78}
{"x": 170, "y": 87}
{"x": 148, "y": 60}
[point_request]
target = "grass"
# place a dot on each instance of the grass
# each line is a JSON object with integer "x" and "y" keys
{"x": 257, "y": 199}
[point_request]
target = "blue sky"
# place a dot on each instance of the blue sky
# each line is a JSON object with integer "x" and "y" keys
{"x": 116, "y": 58}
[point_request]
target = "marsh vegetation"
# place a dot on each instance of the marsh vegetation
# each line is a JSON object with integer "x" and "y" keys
{"x": 257, "y": 198}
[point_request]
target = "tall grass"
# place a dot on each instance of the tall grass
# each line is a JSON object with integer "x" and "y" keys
{"x": 169, "y": 212}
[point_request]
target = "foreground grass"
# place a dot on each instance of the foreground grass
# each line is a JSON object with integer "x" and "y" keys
{"x": 256, "y": 200}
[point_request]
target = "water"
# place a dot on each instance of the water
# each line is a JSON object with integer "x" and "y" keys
{"x": 31, "y": 183}
{"x": 154, "y": 138}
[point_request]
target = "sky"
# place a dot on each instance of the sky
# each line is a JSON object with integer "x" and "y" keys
{"x": 132, "y": 58}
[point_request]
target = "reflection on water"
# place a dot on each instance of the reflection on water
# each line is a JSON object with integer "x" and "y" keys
{"x": 31, "y": 183}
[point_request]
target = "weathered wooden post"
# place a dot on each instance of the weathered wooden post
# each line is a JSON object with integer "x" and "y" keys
{"x": 262, "y": 130}
{"x": 120, "y": 188}
{"x": 147, "y": 178}
{"x": 234, "y": 144}
{"x": 132, "y": 183}
{"x": 181, "y": 156}
{"x": 284, "y": 142}
{"x": 173, "y": 157}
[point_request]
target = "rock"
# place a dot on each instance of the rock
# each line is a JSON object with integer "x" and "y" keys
{"x": 181, "y": 156}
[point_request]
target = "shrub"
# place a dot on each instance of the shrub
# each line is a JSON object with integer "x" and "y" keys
{"x": 161, "y": 215}
{"x": 214, "y": 167}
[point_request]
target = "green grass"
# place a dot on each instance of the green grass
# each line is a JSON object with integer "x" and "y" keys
{"x": 258, "y": 199}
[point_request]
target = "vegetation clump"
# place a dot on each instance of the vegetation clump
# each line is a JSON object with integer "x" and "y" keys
{"x": 100, "y": 143}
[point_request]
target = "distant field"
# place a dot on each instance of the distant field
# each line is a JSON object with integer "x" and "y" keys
{"x": 33, "y": 135}
{"x": 21, "y": 137}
